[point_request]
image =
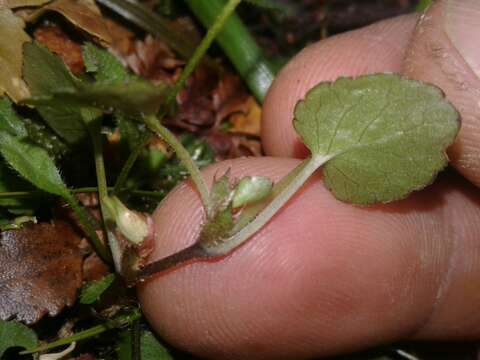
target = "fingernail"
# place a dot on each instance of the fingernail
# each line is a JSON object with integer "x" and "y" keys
{"x": 462, "y": 25}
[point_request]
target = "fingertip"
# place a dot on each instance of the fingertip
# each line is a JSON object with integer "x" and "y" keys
{"x": 322, "y": 277}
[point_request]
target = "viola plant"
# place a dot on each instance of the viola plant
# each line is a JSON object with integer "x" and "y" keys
{"x": 377, "y": 138}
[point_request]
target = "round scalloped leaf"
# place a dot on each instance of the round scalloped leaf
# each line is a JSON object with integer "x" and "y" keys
{"x": 385, "y": 135}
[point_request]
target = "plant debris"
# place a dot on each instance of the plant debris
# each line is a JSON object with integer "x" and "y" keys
{"x": 40, "y": 270}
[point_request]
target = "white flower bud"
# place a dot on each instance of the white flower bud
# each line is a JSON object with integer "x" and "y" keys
{"x": 251, "y": 189}
{"x": 131, "y": 224}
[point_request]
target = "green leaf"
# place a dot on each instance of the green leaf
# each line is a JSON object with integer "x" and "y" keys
{"x": 130, "y": 131}
{"x": 13, "y": 334}
{"x": 383, "y": 135}
{"x": 423, "y": 5}
{"x": 92, "y": 291}
{"x": 9, "y": 120}
{"x": 33, "y": 163}
{"x": 221, "y": 221}
{"x": 43, "y": 136}
{"x": 134, "y": 98}
{"x": 104, "y": 65}
{"x": 11, "y": 41}
{"x": 9, "y": 181}
{"x": 150, "y": 347}
{"x": 45, "y": 73}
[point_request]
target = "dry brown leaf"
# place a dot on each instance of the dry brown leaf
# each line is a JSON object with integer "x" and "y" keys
{"x": 152, "y": 60}
{"x": 122, "y": 38}
{"x": 12, "y": 38}
{"x": 59, "y": 43}
{"x": 228, "y": 97}
{"x": 94, "y": 268}
{"x": 195, "y": 106}
{"x": 230, "y": 146}
{"x": 247, "y": 122}
{"x": 84, "y": 14}
{"x": 40, "y": 271}
{"x": 12, "y": 4}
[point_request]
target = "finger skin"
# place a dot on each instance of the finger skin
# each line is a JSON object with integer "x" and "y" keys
{"x": 322, "y": 277}
{"x": 376, "y": 48}
{"x": 432, "y": 57}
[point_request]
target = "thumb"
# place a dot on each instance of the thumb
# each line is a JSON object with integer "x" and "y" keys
{"x": 444, "y": 51}
{"x": 323, "y": 277}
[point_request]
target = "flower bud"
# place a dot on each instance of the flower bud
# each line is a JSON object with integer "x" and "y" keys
{"x": 131, "y": 224}
{"x": 251, "y": 189}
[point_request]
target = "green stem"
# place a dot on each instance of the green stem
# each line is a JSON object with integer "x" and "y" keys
{"x": 123, "y": 176}
{"x": 88, "y": 227}
{"x": 154, "y": 124}
{"x": 94, "y": 129}
{"x": 253, "y": 221}
{"x": 239, "y": 45}
{"x": 89, "y": 189}
{"x": 135, "y": 345}
{"x": 93, "y": 122}
{"x": 289, "y": 187}
{"x": 221, "y": 16}
{"x": 85, "y": 334}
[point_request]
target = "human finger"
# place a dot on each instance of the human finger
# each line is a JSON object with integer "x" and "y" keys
{"x": 323, "y": 277}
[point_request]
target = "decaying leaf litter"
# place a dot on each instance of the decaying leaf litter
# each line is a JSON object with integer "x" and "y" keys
{"x": 67, "y": 75}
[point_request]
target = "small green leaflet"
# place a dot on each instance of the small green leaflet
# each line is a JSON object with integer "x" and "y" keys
{"x": 385, "y": 135}
{"x": 114, "y": 89}
{"x": 105, "y": 66}
{"x": 45, "y": 73}
{"x": 13, "y": 334}
{"x": 108, "y": 70}
{"x": 92, "y": 291}
{"x": 30, "y": 160}
{"x": 9, "y": 120}
{"x": 11, "y": 123}
{"x": 423, "y": 5}
{"x": 133, "y": 98}
{"x": 221, "y": 222}
{"x": 150, "y": 347}
{"x": 33, "y": 163}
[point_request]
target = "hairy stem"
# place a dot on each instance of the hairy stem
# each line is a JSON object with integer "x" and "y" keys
{"x": 93, "y": 122}
{"x": 118, "y": 322}
{"x": 88, "y": 189}
{"x": 190, "y": 67}
{"x": 184, "y": 256}
{"x": 123, "y": 176}
{"x": 88, "y": 226}
{"x": 221, "y": 17}
{"x": 253, "y": 221}
{"x": 154, "y": 124}
{"x": 94, "y": 129}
